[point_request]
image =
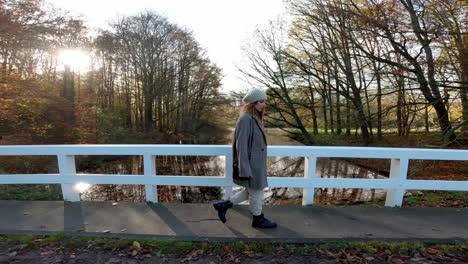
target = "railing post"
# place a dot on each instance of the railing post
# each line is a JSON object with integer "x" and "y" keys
{"x": 67, "y": 168}
{"x": 398, "y": 172}
{"x": 228, "y": 175}
{"x": 310, "y": 164}
{"x": 149, "y": 165}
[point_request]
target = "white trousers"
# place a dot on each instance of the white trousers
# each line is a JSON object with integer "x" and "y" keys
{"x": 255, "y": 198}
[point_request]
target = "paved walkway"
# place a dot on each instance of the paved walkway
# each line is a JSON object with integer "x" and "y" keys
{"x": 199, "y": 222}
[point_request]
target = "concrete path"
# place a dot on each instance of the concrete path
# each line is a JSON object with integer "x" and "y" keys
{"x": 198, "y": 222}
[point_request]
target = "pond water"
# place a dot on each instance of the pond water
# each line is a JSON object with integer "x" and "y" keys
{"x": 214, "y": 166}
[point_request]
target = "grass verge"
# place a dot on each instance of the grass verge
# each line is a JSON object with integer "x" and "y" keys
{"x": 60, "y": 240}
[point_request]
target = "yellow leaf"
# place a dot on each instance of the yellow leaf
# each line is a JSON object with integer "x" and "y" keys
{"x": 136, "y": 245}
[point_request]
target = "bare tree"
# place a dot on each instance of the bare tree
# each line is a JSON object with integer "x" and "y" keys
{"x": 158, "y": 73}
{"x": 269, "y": 68}
{"x": 323, "y": 36}
{"x": 403, "y": 26}
{"x": 451, "y": 23}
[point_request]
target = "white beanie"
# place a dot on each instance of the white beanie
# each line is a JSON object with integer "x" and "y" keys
{"x": 254, "y": 95}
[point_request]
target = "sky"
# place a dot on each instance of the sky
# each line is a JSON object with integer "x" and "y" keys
{"x": 220, "y": 26}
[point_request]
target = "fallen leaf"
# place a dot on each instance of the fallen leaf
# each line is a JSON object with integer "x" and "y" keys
{"x": 433, "y": 251}
{"x": 397, "y": 261}
{"x": 115, "y": 204}
{"x": 23, "y": 252}
{"x": 134, "y": 253}
{"x": 137, "y": 245}
{"x": 26, "y": 213}
{"x": 123, "y": 229}
{"x": 349, "y": 257}
{"x": 72, "y": 256}
{"x": 47, "y": 253}
{"x": 12, "y": 254}
{"x": 193, "y": 256}
{"x": 105, "y": 231}
{"x": 113, "y": 261}
{"x": 21, "y": 246}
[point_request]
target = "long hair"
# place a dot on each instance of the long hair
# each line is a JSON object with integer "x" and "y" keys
{"x": 250, "y": 108}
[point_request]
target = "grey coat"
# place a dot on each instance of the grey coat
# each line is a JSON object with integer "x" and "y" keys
{"x": 254, "y": 170}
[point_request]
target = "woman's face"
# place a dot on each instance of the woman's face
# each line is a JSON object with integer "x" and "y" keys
{"x": 260, "y": 105}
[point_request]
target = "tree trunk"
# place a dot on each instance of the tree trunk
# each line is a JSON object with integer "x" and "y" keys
{"x": 312, "y": 107}
{"x": 379, "y": 103}
{"x": 338, "y": 103}
{"x": 330, "y": 101}
{"x": 324, "y": 108}
{"x": 368, "y": 111}
{"x": 361, "y": 118}
{"x": 338, "y": 114}
{"x": 148, "y": 106}
{"x": 400, "y": 104}
{"x": 348, "y": 113}
{"x": 464, "y": 99}
{"x": 426, "y": 117}
{"x": 429, "y": 86}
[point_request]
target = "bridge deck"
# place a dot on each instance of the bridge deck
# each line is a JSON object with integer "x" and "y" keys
{"x": 199, "y": 222}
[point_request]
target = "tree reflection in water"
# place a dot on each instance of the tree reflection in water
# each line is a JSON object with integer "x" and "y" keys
{"x": 326, "y": 167}
{"x": 166, "y": 165}
{"x": 214, "y": 166}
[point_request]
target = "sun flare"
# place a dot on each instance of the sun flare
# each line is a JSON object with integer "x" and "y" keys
{"x": 76, "y": 59}
{"x": 82, "y": 187}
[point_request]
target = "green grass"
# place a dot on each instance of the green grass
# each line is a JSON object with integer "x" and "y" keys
{"x": 31, "y": 192}
{"x": 56, "y": 237}
{"x": 430, "y": 197}
{"x": 267, "y": 248}
{"x": 390, "y": 138}
{"x": 238, "y": 245}
{"x": 23, "y": 239}
{"x": 427, "y": 198}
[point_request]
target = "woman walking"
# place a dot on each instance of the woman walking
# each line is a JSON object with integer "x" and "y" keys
{"x": 249, "y": 159}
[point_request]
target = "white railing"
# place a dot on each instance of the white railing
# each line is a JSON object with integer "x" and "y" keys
{"x": 395, "y": 185}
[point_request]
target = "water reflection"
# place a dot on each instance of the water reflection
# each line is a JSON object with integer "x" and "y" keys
{"x": 112, "y": 165}
{"x": 214, "y": 166}
{"x": 165, "y": 165}
{"x": 326, "y": 168}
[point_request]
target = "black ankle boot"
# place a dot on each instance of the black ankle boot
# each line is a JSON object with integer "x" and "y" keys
{"x": 261, "y": 222}
{"x": 222, "y": 208}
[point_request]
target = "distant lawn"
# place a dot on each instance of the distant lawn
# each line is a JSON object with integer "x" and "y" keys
{"x": 31, "y": 192}
{"x": 417, "y": 138}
